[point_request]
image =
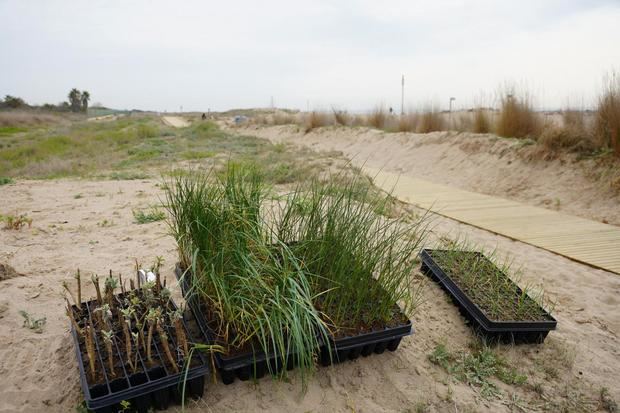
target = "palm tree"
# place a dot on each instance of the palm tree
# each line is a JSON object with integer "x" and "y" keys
{"x": 75, "y": 100}
{"x": 85, "y": 99}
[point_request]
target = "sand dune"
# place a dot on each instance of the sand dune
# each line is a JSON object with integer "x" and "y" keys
{"x": 478, "y": 163}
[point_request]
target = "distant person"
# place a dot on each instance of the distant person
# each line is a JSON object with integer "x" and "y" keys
{"x": 204, "y": 116}
{"x": 391, "y": 110}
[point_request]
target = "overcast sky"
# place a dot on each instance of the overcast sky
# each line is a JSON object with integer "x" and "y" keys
{"x": 159, "y": 55}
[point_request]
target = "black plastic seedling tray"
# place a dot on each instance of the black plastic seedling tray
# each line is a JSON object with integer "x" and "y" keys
{"x": 350, "y": 348}
{"x": 244, "y": 366}
{"x": 151, "y": 388}
{"x": 255, "y": 364}
{"x": 493, "y": 330}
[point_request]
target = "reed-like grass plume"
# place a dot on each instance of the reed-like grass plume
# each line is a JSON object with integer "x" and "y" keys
{"x": 517, "y": 118}
{"x": 607, "y": 124}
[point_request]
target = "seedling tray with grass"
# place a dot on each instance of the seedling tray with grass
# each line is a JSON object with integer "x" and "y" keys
{"x": 377, "y": 341}
{"x": 494, "y": 305}
{"x": 253, "y": 364}
{"x": 313, "y": 278}
{"x": 145, "y": 385}
{"x": 243, "y": 365}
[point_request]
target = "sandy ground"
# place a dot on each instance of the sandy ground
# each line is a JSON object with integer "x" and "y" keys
{"x": 175, "y": 121}
{"x": 474, "y": 162}
{"x": 104, "y": 118}
{"x": 89, "y": 224}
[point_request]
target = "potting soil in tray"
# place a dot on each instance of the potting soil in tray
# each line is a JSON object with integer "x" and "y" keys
{"x": 531, "y": 327}
{"x": 151, "y": 386}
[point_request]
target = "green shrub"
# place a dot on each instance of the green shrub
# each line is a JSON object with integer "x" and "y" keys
{"x": 146, "y": 131}
{"x": 152, "y": 215}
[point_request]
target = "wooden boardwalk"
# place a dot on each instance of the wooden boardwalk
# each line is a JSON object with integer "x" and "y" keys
{"x": 580, "y": 239}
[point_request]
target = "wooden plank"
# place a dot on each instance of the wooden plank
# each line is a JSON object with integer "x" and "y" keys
{"x": 580, "y": 239}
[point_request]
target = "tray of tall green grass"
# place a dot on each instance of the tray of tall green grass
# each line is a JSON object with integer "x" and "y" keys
{"x": 317, "y": 273}
{"x": 495, "y": 306}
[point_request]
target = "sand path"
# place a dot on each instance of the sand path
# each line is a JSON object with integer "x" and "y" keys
{"x": 175, "y": 121}
{"x": 577, "y": 238}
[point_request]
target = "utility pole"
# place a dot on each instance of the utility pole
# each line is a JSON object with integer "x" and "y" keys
{"x": 402, "y": 96}
{"x": 452, "y": 99}
{"x": 272, "y": 102}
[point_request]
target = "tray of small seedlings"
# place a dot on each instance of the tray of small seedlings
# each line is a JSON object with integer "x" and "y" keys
{"x": 318, "y": 277}
{"x": 495, "y": 305}
{"x": 133, "y": 346}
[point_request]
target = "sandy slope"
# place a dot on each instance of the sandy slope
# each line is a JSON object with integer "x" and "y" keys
{"x": 478, "y": 163}
{"x": 39, "y": 371}
{"x": 175, "y": 121}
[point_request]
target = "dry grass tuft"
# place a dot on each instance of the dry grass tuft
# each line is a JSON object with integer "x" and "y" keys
{"x": 431, "y": 121}
{"x": 359, "y": 120}
{"x": 574, "y": 119}
{"x": 342, "y": 117}
{"x": 481, "y": 122}
{"x": 283, "y": 118}
{"x": 260, "y": 120}
{"x": 517, "y": 118}
{"x": 572, "y": 135}
{"x": 408, "y": 123}
{"x": 573, "y": 139}
{"x": 607, "y": 123}
{"x": 377, "y": 118}
{"x": 317, "y": 120}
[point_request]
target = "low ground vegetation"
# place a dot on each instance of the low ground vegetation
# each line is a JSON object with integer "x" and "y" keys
{"x": 154, "y": 214}
{"x": 478, "y": 368}
{"x": 139, "y": 147}
{"x": 15, "y": 221}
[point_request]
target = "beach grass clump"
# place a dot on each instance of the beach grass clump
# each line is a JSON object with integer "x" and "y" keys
{"x": 359, "y": 262}
{"x": 283, "y": 118}
{"x": 251, "y": 287}
{"x": 341, "y": 117}
{"x": 607, "y": 123}
{"x": 481, "y": 122}
{"x": 431, "y": 120}
{"x": 283, "y": 275}
{"x": 572, "y": 135}
{"x": 517, "y": 118}
{"x": 377, "y": 118}
{"x": 408, "y": 122}
{"x": 484, "y": 279}
{"x": 317, "y": 119}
